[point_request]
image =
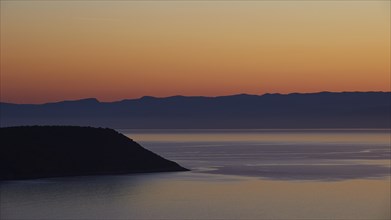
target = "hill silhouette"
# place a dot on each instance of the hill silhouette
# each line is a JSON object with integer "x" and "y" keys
{"x": 311, "y": 110}
{"x": 54, "y": 151}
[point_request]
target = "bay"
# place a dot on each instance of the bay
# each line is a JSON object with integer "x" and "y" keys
{"x": 236, "y": 174}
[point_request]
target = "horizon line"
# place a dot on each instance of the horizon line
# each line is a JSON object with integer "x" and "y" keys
{"x": 184, "y": 96}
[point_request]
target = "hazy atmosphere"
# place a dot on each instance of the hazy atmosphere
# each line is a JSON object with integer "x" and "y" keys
{"x": 112, "y": 50}
{"x": 204, "y": 109}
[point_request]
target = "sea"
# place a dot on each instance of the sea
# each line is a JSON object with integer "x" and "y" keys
{"x": 235, "y": 174}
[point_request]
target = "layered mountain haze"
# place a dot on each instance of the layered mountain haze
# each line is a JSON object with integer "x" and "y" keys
{"x": 314, "y": 110}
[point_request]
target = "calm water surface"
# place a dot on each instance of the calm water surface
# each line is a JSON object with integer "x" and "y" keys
{"x": 236, "y": 174}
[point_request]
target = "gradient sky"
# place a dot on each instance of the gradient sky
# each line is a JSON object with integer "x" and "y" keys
{"x": 113, "y": 50}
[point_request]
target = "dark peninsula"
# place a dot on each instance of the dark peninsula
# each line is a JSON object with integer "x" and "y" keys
{"x": 31, "y": 152}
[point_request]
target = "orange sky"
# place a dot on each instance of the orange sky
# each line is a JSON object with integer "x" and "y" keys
{"x": 113, "y": 50}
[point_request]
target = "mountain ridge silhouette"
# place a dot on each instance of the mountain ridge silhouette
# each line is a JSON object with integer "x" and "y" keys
{"x": 295, "y": 110}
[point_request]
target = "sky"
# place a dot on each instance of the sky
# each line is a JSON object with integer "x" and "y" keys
{"x": 114, "y": 50}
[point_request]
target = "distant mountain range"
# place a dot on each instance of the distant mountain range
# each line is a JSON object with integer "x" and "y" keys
{"x": 311, "y": 110}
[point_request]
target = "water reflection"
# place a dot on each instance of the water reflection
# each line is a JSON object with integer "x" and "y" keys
{"x": 192, "y": 196}
{"x": 323, "y": 155}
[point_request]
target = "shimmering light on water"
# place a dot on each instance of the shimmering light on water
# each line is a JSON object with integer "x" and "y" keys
{"x": 324, "y": 155}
